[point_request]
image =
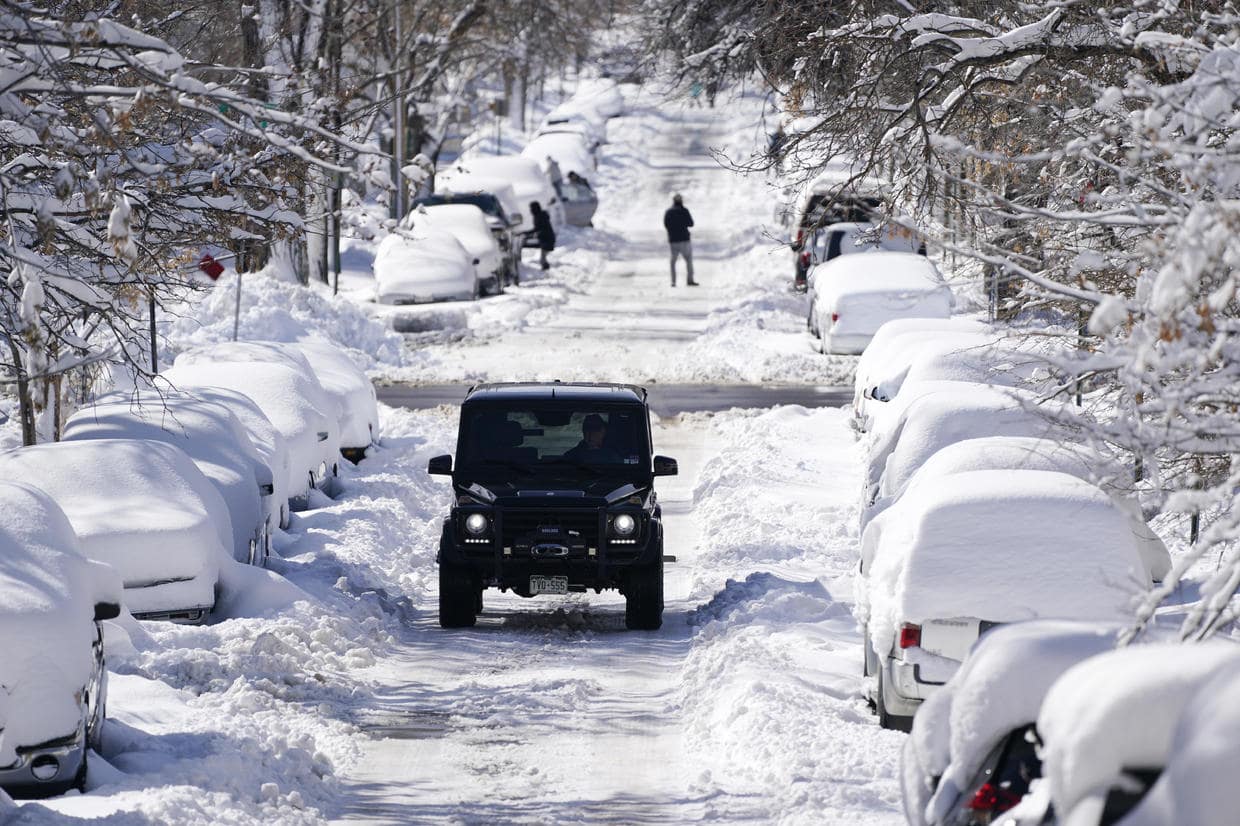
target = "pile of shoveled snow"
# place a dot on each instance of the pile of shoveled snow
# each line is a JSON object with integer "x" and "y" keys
{"x": 771, "y": 688}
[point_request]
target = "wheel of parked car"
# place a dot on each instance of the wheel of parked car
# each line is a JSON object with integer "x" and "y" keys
{"x": 643, "y": 598}
{"x": 459, "y": 598}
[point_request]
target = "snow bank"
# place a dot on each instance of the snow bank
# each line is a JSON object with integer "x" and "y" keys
{"x": 999, "y": 689}
{"x": 1002, "y": 547}
{"x": 278, "y": 310}
{"x": 1116, "y": 710}
{"x": 48, "y": 591}
{"x": 209, "y": 434}
{"x": 291, "y": 399}
{"x": 1198, "y": 782}
{"x": 141, "y": 507}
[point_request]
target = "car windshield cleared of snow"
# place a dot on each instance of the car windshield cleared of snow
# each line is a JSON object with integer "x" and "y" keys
{"x": 554, "y": 439}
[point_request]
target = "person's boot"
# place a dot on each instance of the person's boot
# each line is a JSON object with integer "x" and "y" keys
{"x": 694, "y": 284}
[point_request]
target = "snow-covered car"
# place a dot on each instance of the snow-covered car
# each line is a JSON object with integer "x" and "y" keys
{"x": 53, "y": 678}
{"x": 936, "y": 414}
{"x": 292, "y": 400}
{"x": 602, "y": 94}
{"x": 503, "y": 213}
{"x": 592, "y": 134}
{"x": 268, "y": 443}
{"x": 854, "y": 295}
{"x": 145, "y": 509}
{"x": 524, "y": 175}
{"x": 570, "y": 153}
{"x": 898, "y": 341}
{"x": 1026, "y": 453}
{"x": 422, "y": 265}
{"x": 971, "y": 753}
{"x": 981, "y": 549}
{"x": 850, "y": 238}
{"x": 212, "y": 437}
{"x": 352, "y": 389}
{"x": 468, "y": 225}
{"x": 838, "y": 194}
{"x": 1198, "y": 780}
{"x": 1107, "y": 724}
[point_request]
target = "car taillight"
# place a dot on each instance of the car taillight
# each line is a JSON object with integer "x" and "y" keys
{"x": 910, "y": 635}
{"x": 835, "y": 317}
{"x": 993, "y": 799}
{"x": 805, "y": 259}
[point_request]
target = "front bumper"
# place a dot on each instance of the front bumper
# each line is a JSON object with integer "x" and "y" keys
{"x": 19, "y": 779}
{"x": 606, "y": 565}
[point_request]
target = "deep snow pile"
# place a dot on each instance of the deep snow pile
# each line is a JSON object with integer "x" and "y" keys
{"x": 771, "y": 685}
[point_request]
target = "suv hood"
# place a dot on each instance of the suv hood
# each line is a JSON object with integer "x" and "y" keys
{"x": 560, "y": 493}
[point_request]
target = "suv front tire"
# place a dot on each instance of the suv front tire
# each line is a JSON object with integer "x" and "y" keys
{"x": 643, "y": 598}
{"x": 458, "y": 598}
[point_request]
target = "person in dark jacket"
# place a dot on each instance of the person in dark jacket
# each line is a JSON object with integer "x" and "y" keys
{"x": 543, "y": 231}
{"x": 677, "y": 221}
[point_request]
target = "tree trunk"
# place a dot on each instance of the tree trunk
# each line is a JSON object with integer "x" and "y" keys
{"x": 25, "y": 401}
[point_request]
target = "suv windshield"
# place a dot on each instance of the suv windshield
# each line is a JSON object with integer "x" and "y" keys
{"x": 559, "y": 440}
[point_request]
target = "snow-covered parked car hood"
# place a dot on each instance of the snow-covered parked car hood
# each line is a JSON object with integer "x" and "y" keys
{"x": 141, "y": 507}
{"x": 421, "y": 265}
{"x": 48, "y": 592}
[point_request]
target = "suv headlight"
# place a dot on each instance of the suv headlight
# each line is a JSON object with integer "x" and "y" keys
{"x": 476, "y": 524}
{"x": 623, "y": 525}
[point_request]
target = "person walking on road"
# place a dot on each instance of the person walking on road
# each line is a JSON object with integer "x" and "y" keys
{"x": 677, "y": 221}
{"x": 543, "y": 231}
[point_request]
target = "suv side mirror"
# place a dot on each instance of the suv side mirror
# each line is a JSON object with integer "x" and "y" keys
{"x": 664, "y": 466}
{"x": 107, "y": 611}
{"x": 440, "y": 465}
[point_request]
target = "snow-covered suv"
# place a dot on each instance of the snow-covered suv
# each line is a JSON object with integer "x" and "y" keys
{"x": 554, "y": 488}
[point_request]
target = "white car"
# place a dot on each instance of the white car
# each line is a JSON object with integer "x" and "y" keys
{"x": 423, "y": 265}
{"x": 981, "y": 549}
{"x": 292, "y": 400}
{"x": 54, "y": 678}
{"x": 601, "y": 94}
{"x": 469, "y": 226}
{"x": 503, "y": 212}
{"x": 142, "y": 508}
{"x": 971, "y": 752}
{"x": 268, "y": 444}
{"x": 570, "y": 153}
{"x": 1025, "y": 453}
{"x": 854, "y": 295}
{"x": 212, "y": 437}
{"x": 525, "y": 176}
{"x": 1107, "y": 725}
{"x": 347, "y": 393}
{"x": 569, "y": 121}
{"x": 823, "y": 244}
{"x": 898, "y": 341}
{"x": 933, "y": 415}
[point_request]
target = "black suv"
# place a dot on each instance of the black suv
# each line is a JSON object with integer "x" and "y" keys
{"x": 554, "y": 488}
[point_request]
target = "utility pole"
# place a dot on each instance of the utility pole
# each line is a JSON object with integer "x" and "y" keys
{"x": 398, "y": 119}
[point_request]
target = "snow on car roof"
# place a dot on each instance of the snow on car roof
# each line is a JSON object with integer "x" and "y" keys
{"x": 354, "y": 392}
{"x": 1199, "y": 779}
{"x": 901, "y": 333}
{"x": 519, "y": 171}
{"x": 1002, "y": 546}
{"x": 426, "y": 249}
{"x": 467, "y": 223}
{"x": 568, "y": 150}
{"x": 1000, "y": 688}
{"x": 1117, "y": 710}
{"x": 879, "y": 271}
{"x": 934, "y": 420}
{"x": 142, "y": 507}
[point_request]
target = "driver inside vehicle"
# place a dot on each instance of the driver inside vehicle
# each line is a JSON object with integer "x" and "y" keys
{"x": 593, "y": 448}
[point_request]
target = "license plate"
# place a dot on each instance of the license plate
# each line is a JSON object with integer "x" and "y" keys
{"x": 949, "y": 638}
{"x": 548, "y": 585}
